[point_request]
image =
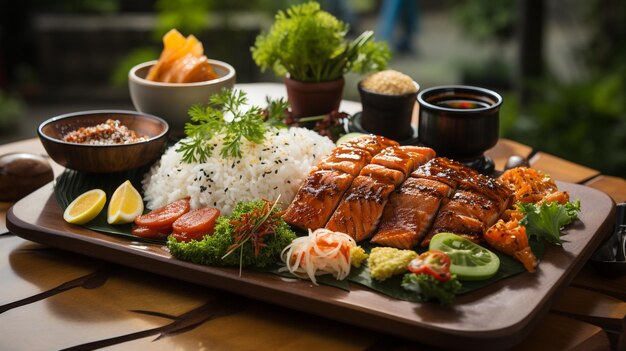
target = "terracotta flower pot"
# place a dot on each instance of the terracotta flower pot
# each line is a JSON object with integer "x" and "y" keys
{"x": 313, "y": 98}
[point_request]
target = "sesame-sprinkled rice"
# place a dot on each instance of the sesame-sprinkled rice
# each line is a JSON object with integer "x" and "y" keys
{"x": 264, "y": 171}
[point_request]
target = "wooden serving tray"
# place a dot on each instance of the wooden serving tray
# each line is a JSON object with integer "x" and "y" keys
{"x": 496, "y": 317}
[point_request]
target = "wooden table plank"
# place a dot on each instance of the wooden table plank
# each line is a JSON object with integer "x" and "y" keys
{"x": 599, "y": 309}
{"x": 588, "y": 278}
{"x": 561, "y": 169}
{"x": 615, "y": 187}
{"x": 506, "y": 148}
{"x": 582, "y": 336}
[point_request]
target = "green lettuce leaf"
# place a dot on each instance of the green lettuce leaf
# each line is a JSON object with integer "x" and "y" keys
{"x": 428, "y": 288}
{"x": 545, "y": 221}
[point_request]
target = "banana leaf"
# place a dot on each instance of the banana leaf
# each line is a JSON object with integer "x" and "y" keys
{"x": 70, "y": 184}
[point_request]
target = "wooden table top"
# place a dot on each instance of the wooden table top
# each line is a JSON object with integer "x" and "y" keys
{"x": 52, "y": 299}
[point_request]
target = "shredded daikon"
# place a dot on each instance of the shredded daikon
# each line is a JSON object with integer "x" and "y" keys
{"x": 321, "y": 252}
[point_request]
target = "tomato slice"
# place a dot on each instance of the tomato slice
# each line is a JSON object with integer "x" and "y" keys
{"x": 195, "y": 224}
{"x": 146, "y": 232}
{"x": 163, "y": 218}
{"x": 433, "y": 262}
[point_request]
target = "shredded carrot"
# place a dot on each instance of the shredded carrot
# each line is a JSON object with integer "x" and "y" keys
{"x": 531, "y": 186}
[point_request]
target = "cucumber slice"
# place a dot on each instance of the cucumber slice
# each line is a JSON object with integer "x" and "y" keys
{"x": 347, "y": 137}
{"x": 469, "y": 261}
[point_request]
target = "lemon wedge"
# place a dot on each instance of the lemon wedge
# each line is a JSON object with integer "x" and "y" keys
{"x": 126, "y": 204}
{"x": 85, "y": 207}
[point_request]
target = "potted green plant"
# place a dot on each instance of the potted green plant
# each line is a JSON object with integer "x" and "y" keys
{"x": 309, "y": 47}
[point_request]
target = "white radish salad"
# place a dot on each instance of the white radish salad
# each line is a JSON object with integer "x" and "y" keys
{"x": 322, "y": 252}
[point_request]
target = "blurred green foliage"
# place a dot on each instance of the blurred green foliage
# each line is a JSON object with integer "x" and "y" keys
{"x": 11, "y": 108}
{"x": 120, "y": 74}
{"x": 188, "y": 16}
{"x": 584, "y": 121}
{"x": 485, "y": 20}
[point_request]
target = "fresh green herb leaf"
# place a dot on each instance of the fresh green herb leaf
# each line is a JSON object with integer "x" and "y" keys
{"x": 226, "y": 116}
{"x": 310, "y": 44}
{"x": 546, "y": 220}
{"x": 276, "y": 112}
{"x": 429, "y": 288}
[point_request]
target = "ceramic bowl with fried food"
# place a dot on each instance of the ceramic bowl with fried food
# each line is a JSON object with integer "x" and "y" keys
{"x": 171, "y": 101}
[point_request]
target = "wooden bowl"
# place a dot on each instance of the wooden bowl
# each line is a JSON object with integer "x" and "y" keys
{"x": 104, "y": 158}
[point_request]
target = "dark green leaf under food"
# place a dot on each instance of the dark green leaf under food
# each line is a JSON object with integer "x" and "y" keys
{"x": 393, "y": 286}
{"x": 70, "y": 184}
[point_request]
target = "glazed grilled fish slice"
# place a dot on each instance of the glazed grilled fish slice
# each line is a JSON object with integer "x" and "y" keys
{"x": 444, "y": 170}
{"x": 450, "y": 221}
{"x": 359, "y": 212}
{"x": 397, "y": 158}
{"x": 467, "y": 213}
{"x": 420, "y": 154}
{"x": 383, "y": 174}
{"x": 458, "y": 175}
{"x": 491, "y": 188}
{"x": 371, "y": 143}
{"x": 410, "y": 212}
{"x": 346, "y": 159}
{"x": 475, "y": 205}
{"x": 390, "y": 168}
{"x": 323, "y": 189}
{"x": 317, "y": 199}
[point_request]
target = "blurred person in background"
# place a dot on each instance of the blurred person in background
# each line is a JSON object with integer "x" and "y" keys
{"x": 404, "y": 13}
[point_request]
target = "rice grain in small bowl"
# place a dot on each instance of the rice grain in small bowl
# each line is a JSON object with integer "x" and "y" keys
{"x": 388, "y": 98}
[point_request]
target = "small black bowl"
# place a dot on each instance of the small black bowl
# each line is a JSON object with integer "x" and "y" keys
{"x": 104, "y": 158}
{"x": 460, "y": 122}
{"x": 387, "y": 115}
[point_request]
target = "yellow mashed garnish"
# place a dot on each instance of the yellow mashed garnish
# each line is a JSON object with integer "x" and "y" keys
{"x": 385, "y": 262}
{"x": 357, "y": 256}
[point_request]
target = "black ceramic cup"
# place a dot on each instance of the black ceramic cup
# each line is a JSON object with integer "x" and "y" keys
{"x": 387, "y": 115}
{"x": 460, "y": 122}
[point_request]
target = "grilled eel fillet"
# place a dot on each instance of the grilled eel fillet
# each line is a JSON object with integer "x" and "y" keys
{"x": 361, "y": 208}
{"x": 441, "y": 195}
{"x": 476, "y": 204}
{"x": 323, "y": 188}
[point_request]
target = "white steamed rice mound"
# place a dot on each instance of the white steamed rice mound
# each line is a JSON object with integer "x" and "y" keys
{"x": 277, "y": 166}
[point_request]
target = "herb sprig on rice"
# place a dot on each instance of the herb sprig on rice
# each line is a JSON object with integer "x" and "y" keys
{"x": 226, "y": 115}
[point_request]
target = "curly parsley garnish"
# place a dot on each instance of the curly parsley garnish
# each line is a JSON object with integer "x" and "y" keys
{"x": 226, "y": 115}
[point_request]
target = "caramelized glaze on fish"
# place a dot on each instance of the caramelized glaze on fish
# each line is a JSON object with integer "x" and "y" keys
{"x": 346, "y": 159}
{"x": 359, "y": 212}
{"x": 317, "y": 198}
{"x": 367, "y": 195}
{"x": 323, "y": 189}
{"x": 410, "y": 212}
